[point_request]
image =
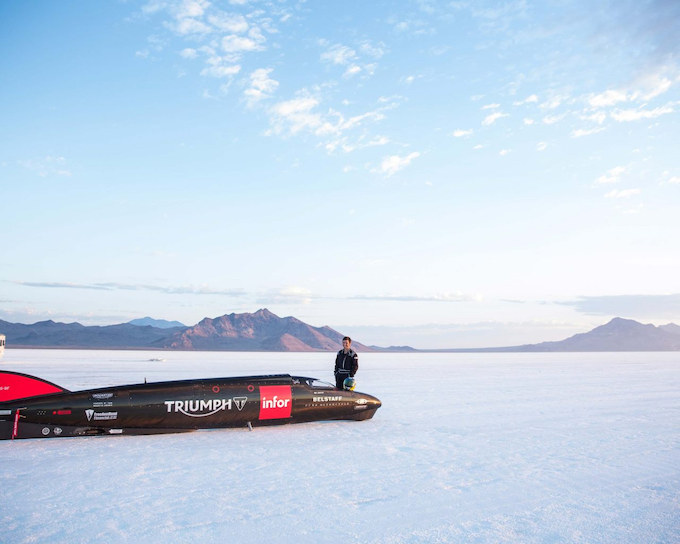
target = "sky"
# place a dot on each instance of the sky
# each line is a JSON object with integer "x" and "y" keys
{"x": 436, "y": 174}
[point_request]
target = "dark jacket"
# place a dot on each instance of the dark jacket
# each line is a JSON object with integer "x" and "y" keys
{"x": 347, "y": 363}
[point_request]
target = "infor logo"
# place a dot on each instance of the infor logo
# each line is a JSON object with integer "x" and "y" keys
{"x": 275, "y": 401}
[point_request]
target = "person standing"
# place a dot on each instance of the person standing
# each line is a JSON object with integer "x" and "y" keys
{"x": 346, "y": 362}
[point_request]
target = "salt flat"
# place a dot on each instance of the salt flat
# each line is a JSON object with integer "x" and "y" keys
{"x": 545, "y": 448}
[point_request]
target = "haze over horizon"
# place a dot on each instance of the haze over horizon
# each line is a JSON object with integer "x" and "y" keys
{"x": 433, "y": 174}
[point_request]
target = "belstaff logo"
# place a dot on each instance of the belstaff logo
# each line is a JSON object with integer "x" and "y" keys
{"x": 275, "y": 401}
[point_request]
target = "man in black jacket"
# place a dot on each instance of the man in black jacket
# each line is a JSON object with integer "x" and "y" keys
{"x": 346, "y": 362}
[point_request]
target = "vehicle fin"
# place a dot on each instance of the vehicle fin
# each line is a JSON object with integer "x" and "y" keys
{"x": 14, "y": 386}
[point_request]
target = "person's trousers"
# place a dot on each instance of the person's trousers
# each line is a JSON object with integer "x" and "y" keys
{"x": 340, "y": 377}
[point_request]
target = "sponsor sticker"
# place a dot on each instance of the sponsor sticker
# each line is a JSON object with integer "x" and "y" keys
{"x": 100, "y": 416}
{"x": 275, "y": 401}
{"x": 335, "y": 398}
{"x": 198, "y": 408}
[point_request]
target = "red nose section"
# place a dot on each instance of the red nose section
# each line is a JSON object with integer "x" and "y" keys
{"x": 15, "y": 386}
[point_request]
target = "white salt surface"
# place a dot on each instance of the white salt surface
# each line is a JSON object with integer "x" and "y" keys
{"x": 469, "y": 448}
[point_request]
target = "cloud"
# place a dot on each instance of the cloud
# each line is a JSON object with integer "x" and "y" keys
{"x": 343, "y": 55}
{"x": 622, "y": 193}
{"x": 394, "y": 163}
{"x": 630, "y": 306}
{"x": 493, "y": 117}
{"x": 528, "y": 100}
{"x": 47, "y": 166}
{"x": 552, "y": 119}
{"x": 636, "y": 115}
{"x": 113, "y": 286}
{"x": 295, "y": 115}
{"x": 579, "y": 133}
{"x": 286, "y": 295}
{"x": 460, "y": 133}
{"x": 339, "y": 54}
{"x": 228, "y": 22}
{"x": 612, "y": 176}
{"x": 240, "y": 44}
{"x": 261, "y": 86}
{"x": 301, "y": 114}
{"x": 189, "y": 53}
{"x": 208, "y": 29}
{"x": 441, "y": 297}
{"x": 220, "y": 67}
{"x": 607, "y": 98}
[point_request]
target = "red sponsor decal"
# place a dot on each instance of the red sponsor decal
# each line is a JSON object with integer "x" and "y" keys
{"x": 17, "y": 386}
{"x": 62, "y": 412}
{"x": 275, "y": 401}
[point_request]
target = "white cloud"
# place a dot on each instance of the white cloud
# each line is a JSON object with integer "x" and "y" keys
{"x": 597, "y": 117}
{"x": 375, "y": 51}
{"x": 238, "y": 44}
{"x": 461, "y": 133}
{"x": 554, "y": 102}
{"x": 352, "y": 71}
{"x": 607, "y": 98}
{"x": 528, "y": 100}
{"x": 339, "y": 54}
{"x": 220, "y": 67}
{"x": 192, "y": 8}
{"x": 492, "y": 118}
{"x": 191, "y": 26}
{"x": 655, "y": 85}
{"x": 541, "y": 146}
{"x": 491, "y": 106}
{"x": 636, "y": 115}
{"x": 552, "y": 119}
{"x": 261, "y": 86}
{"x": 668, "y": 178}
{"x": 528, "y": 121}
{"x": 189, "y": 53}
{"x": 612, "y": 176}
{"x": 47, "y": 166}
{"x": 578, "y": 133}
{"x": 296, "y": 115}
{"x": 235, "y": 24}
{"x": 394, "y": 163}
{"x": 622, "y": 193}
{"x": 503, "y": 152}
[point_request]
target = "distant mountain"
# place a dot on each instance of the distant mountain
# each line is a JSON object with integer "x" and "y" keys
{"x": 265, "y": 331}
{"x": 49, "y": 334}
{"x": 617, "y": 335}
{"x": 260, "y": 331}
{"x": 671, "y": 327}
{"x": 158, "y": 323}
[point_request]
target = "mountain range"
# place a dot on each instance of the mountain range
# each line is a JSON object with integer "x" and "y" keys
{"x": 265, "y": 331}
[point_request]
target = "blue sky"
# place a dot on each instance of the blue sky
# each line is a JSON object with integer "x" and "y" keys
{"x": 438, "y": 174}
